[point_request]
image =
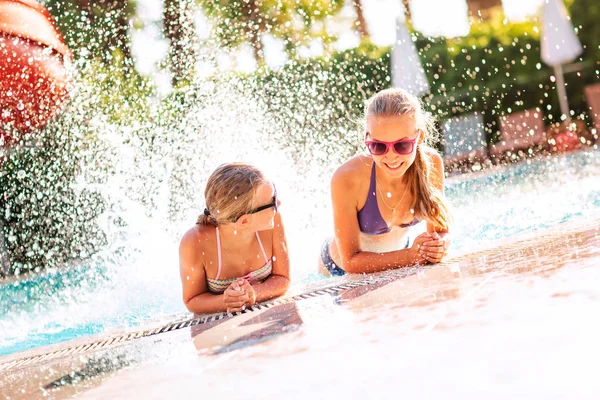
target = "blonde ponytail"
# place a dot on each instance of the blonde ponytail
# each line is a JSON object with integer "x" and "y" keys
{"x": 429, "y": 202}
{"x": 206, "y": 219}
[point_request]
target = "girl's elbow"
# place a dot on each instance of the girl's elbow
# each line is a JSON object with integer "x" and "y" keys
{"x": 189, "y": 307}
{"x": 192, "y": 306}
{"x": 279, "y": 283}
{"x": 285, "y": 284}
{"x": 350, "y": 266}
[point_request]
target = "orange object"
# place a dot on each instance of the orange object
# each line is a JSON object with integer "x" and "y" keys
{"x": 33, "y": 77}
{"x": 569, "y": 135}
{"x": 566, "y": 141}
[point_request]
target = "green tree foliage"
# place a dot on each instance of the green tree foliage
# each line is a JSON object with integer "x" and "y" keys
{"x": 45, "y": 221}
{"x": 46, "y": 218}
{"x": 246, "y": 21}
{"x": 97, "y": 28}
{"x": 495, "y": 70}
{"x": 585, "y": 15}
{"x": 319, "y": 102}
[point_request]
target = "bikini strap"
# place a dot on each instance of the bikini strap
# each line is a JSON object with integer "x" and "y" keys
{"x": 261, "y": 247}
{"x": 218, "y": 254}
{"x": 373, "y": 183}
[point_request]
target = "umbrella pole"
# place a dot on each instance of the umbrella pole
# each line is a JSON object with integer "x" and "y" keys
{"x": 562, "y": 91}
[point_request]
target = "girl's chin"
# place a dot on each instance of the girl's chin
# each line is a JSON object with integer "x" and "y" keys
{"x": 266, "y": 227}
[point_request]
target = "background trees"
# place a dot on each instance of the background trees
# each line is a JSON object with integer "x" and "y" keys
{"x": 296, "y": 22}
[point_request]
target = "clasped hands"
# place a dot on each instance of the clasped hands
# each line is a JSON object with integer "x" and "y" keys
{"x": 239, "y": 296}
{"x": 431, "y": 247}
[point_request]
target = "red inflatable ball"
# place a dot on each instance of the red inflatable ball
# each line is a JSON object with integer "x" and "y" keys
{"x": 33, "y": 77}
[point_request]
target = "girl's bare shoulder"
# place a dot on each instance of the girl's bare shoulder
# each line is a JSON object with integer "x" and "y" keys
{"x": 437, "y": 162}
{"x": 433, "y": 155}
{"x": 353, "y": 171}
{"x": 197, "y": 237}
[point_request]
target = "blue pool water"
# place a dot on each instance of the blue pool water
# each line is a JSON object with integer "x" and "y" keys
{"x": 93, "y": 298}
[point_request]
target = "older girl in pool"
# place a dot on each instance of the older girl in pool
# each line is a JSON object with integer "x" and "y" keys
{"x": 378, "y": 197}
{"x": 236, "y": 255}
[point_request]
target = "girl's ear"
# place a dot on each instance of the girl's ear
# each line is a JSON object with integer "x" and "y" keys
{"x": 243, "y": 221}
{"x": 421, "y": 136}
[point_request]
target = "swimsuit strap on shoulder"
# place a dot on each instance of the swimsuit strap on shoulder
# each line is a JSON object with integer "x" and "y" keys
{"x": 218, "y": 254}
{"x": 261, "y": 247}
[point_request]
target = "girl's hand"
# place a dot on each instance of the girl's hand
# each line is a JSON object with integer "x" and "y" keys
{"x": 247, "y": 287}
{"x": 235, "y": 297}
{"x": 418, "y": 243}
{"x": 434, "y": 249}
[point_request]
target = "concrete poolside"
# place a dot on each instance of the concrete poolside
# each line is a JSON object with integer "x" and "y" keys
{"x": 517, "y": 319}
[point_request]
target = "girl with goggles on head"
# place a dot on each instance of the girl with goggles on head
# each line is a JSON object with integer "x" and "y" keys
{"x": 236, "y": 255}
{"x": 377, "y": 197}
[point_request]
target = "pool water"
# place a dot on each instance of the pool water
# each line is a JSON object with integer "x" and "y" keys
{"x": 491, "y": 206}
{"x": 511, "y": 321}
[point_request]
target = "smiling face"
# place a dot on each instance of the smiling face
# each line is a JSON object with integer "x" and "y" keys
{"x": 391, "y": 129}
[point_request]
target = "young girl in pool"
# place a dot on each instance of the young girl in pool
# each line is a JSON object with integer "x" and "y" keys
{"x": 376, "y": 198}
{"x": 236, "y": 255}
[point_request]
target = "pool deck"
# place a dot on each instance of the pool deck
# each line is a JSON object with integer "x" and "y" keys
{"x": 169, "y": 360}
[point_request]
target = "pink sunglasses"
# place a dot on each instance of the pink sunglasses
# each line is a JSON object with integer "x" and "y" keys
{"x": 379, "y": 148}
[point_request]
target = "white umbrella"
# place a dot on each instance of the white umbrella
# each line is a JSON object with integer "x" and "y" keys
{"x": 407, "y": 71}
{"x": 559, "y": 44}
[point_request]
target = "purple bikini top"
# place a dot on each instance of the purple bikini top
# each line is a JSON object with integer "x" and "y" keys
{"x": 369, "y": 218}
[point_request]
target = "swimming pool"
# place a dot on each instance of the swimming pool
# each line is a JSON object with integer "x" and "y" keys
{"x": 513, "y": 320}
{"x": 491, "y": 206}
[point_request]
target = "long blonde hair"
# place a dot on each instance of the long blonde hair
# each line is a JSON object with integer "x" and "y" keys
{"x": 230, "y": 193}
{"x": 428, "y": 201}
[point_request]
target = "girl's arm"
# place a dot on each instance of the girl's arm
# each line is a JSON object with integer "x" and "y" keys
{"x": 347, "y": 231}
{"x": 196, "y": 296}
{"x": 279, "y": 280}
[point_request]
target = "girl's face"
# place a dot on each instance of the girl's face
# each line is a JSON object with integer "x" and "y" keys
{"x": 262, "y": 217}
{"x": 393, "y": 141}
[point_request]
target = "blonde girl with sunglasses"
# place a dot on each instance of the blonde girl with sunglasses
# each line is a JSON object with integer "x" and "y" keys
{"x": 377, "y": 197}
{"x": 236, "y": 255}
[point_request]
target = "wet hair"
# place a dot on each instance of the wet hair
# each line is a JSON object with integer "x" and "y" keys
{"x": 428, "y": 202}
{"x": 230, "y": 193}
